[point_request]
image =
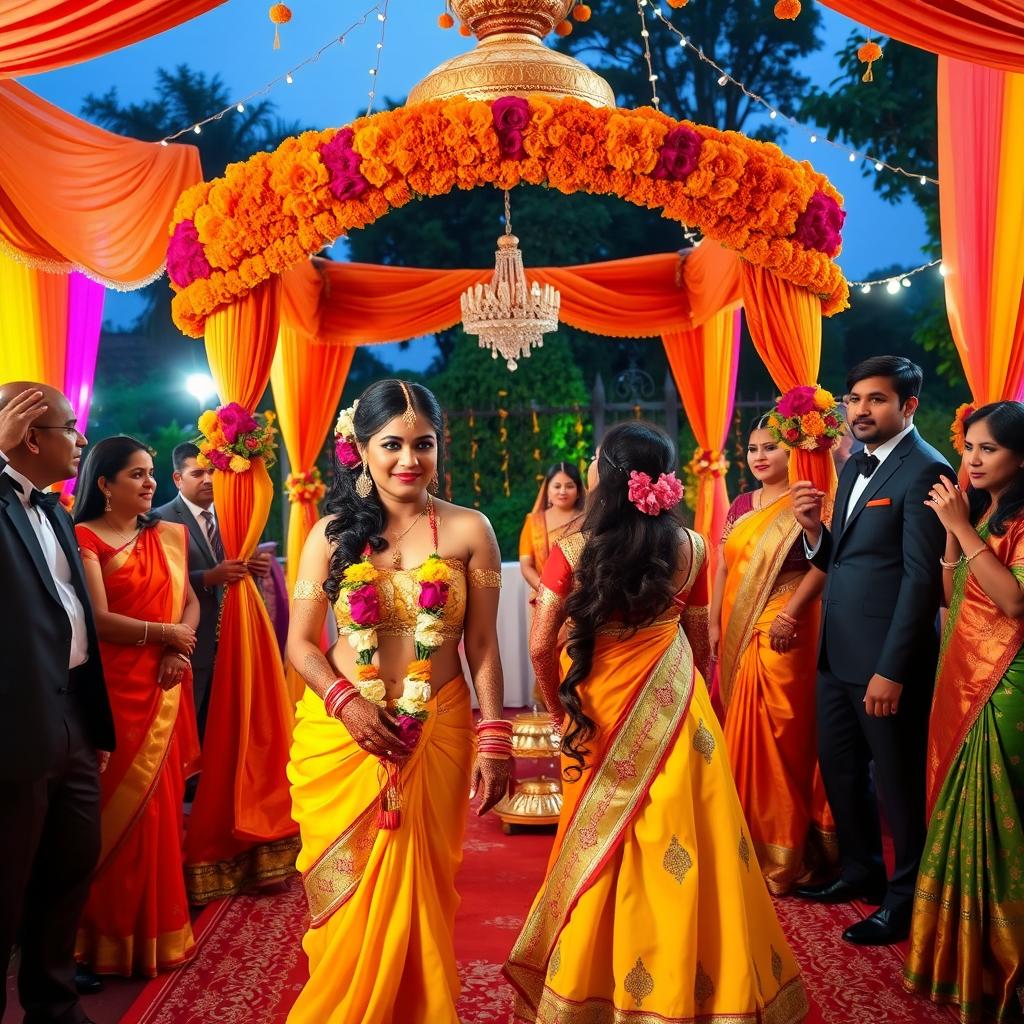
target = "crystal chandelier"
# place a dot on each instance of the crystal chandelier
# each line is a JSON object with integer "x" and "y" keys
{"x": 509, "y": 316}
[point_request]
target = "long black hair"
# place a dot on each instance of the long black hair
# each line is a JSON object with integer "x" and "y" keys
{"x": 572, "y": 472}
{"x": 104, "y": 459}
{"x": 627, "y": 569}
{"x": 1005, "y": 422}
{"x": 356, "y": 522}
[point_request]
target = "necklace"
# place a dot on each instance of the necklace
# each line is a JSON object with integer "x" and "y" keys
{"x": 759, "y": 502}
{"x": 126, "y": 537}
{"x": 396, "y": 555}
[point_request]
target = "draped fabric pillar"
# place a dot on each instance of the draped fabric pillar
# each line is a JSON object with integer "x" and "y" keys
{"x": 241, "y": 833}
{"x": 703, "y": 363}
{"x": 785, "y": 325}
{"x": 85, "y": 319}
{"x": 981, "y": 202}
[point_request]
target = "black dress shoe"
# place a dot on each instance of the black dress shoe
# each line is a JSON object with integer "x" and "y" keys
{"x": 884, "y": 927}
{"x": 841, "y": 891}
{"x": 86, "y": 983}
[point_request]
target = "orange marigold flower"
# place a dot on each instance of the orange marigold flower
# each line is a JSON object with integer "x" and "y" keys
{"x": 787, "y": 10}
{"x": 812, "y": 424}
{"x": 445, "y": 20}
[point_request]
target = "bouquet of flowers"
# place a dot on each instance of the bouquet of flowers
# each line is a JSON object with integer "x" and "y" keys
{"x": 305, "y": 488}
{"x": 807, "y": 417}
{"x": 957, "y": 435}
{"x": 706, "y": 462}
{"x": 232, "y": 437}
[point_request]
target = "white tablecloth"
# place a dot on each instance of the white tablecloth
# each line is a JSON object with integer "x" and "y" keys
{"x": 512, "y": 636}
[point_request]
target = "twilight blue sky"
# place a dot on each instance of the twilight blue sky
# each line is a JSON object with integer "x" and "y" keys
{"x": 234, "y": 41}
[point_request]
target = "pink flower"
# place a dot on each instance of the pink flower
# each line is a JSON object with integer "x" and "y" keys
{"x": 641, "y": 493}
{"x": 797, "y": 402}
{"x": 668, "y": 490}
{"x": 186, "y": 260}
{"x": 221, "y": 460}
{"x": 679, "y": 154}
{"x": 792, "y": 434}
{"x": 820, "y": 225}
{"x": 252, "y": 443}
{"x": 235, "y": 420}
{"x": 433, "y": 595}
{"x": 345, "y": 180}
{"x": 363, "y": 605}
{"x": 409, "y": 730}
{"x": 347, "y": 452}
{"x": 511, "y": 115}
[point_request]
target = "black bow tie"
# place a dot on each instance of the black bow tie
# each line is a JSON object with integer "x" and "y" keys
{"x": 866, "y": 463}
{"x": 46, "y": 500}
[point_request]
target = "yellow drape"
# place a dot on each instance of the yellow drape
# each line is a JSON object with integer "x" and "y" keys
{"x": 242, "y": 804}
{"x": 785, "y": 325}
{"x": 703, "y": 363}
{"x": 33, "y": 323}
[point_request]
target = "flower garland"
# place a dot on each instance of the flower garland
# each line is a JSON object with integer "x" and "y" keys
{"x": 232, "y": 437}
{"x": 359, "y": 585}
{"x": 807, "y": 417}
{"x": 708, "y": 463}
{"x": 275, "y": 209}
{"x": 957, "y": 433}
{"x": 305, "y": 488}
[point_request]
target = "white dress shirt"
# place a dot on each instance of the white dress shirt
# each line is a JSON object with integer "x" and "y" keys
{"x": 60, "y": 569}
{"x": 882, "y": 452}
{"x": 197, "y": 512}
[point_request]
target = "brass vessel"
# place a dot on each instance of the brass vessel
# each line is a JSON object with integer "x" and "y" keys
{"x": 510, "y": 57}
{"x": 534, "y": 801}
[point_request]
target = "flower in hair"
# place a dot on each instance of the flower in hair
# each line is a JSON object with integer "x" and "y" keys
{"x": 345, "y": 437}
{"x": 654, "y": 497}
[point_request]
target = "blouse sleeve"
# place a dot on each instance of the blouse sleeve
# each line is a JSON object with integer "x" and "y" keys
{"x": 555, "y": 587}
{"x": 88, "y": 543}
{"x": 695, "y": 613}
{"x": 1015, "y": 550}
{"x": 526, "y": 539}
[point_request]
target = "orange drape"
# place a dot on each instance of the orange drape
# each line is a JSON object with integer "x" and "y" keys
{"x": 73, "y": 196}
{"x": 982, "y": 31}
{"x": 243, "y": 798}
{"x": 981, "y": 166}
{"x": 785, "y": 325}
{"x": 634, "y": 298}
{"x": 33, "y": 323}
{"x": 703, "y": 363}
{"x": 40, "y": 35}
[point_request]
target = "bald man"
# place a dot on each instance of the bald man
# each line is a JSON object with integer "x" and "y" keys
{"x": 55, "y": 722}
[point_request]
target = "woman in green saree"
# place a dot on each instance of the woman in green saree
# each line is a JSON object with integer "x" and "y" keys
{"x": 967, "y": 935}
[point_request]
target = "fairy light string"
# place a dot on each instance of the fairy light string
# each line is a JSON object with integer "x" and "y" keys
{"x": 382, "y": 17}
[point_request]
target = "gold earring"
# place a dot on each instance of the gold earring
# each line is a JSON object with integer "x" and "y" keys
{"x": 435, "y": 484}
{"x": 364, "y": 482}
{"x": 107, "y": 507}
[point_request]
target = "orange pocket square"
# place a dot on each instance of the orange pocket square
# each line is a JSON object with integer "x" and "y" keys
{"x": 878, "y": 502}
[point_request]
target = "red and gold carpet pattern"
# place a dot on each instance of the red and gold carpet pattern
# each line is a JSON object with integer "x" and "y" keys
{"x": 250, "y": 964}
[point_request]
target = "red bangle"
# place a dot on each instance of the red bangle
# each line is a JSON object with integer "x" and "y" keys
{"x": 338, "y": 694}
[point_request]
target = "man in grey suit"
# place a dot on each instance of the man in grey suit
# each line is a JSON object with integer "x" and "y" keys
{"x": 209, "y": 571}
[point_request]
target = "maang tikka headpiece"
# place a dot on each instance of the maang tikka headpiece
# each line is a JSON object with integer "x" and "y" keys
{"x": 409, "y": 416}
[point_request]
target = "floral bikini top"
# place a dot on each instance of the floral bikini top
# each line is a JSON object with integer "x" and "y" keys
{"x": 397, "y": 591}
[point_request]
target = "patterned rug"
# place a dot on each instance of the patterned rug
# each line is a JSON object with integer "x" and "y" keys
{"x": 250, "y": 964}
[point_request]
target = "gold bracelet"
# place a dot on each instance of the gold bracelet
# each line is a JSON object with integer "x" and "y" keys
{"x": 951, "y": 565}
{"x": 981, "y": 550}
{"x": 145, "y": 636}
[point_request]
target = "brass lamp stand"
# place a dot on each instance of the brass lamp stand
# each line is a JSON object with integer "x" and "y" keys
{"x": 537, "y": 800}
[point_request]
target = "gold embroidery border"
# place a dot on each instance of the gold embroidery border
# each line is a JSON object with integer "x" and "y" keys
{"x": 604, "y": 811}
{"x": 790, "y": 1006}
{"x": 259, "y": 865}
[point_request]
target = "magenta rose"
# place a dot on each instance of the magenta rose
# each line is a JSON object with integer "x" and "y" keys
{"x": 820, "y": 225}
{"x": 679, "y": 155}
{"x": 511, "y": 115}
{"x": 186, "y": 260}
{"x": 347, "y": 452}
{"x": 409, "y": 730}
{"x": 345, "y": 180}
{"x": 433, "y": 595}
{"x": 235, "y": 420}
{"x": 363, "y": 605}
{"x": 797, "y": 402}
{"x": 220, "y": 460}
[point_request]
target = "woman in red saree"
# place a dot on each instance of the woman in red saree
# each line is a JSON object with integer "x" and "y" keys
{"x": 137, "y": 919}
{"x": 653, "y": 907}
{"x": 555, "y": 513}
{"x": 967, "y": 932}
{"x": 764, "y": 635}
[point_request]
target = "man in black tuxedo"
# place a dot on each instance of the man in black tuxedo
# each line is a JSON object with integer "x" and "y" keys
{"x": 879, "y": 644}
{"x": 209, "y": 571}
{"x": 56, "y": 729}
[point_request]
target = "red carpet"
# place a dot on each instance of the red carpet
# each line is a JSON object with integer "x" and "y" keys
{"x": 250, "y": 964}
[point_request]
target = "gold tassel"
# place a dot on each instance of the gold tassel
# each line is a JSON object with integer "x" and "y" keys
{"x": 277, "y": 39}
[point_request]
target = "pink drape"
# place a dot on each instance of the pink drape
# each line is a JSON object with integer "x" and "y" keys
{"x": 85, "y": 318}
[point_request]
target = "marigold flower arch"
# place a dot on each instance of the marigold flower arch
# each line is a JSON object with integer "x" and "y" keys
{"x": 275, "y": 209}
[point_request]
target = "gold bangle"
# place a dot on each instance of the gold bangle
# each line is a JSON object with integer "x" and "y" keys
{"x": 981, "y": 550}
{"x": 951, "y": 565}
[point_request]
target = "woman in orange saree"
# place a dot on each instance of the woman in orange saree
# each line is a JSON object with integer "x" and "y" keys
{"x": 653, "y": 908}
{"x": 764, "y": 634}
{"x": 137, "y": 919}
{"x": 381, "y": 803}
{"x": 967, "y": 931}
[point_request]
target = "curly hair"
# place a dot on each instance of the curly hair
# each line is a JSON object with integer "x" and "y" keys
{"x": 356, "y": 522}
{"x": 627, "y": 569}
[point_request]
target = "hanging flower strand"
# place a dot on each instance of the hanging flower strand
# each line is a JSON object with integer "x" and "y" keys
{"x": 868, "y": 53}
{"x": 280, "y": 14}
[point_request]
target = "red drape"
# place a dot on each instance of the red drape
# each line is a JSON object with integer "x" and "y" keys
{"x": 40, "y": 35}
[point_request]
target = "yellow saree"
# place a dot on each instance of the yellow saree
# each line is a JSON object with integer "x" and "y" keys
{"x": 653, "y": 909}
{"x": 769, "y": 699}
{"x": 382, "y": 902}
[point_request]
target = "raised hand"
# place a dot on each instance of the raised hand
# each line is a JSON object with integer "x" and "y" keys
{"x": 950, "y": 504}
{"x": 374, "y": 730}
{"x": 18, "y": 415}
{"x": 807, "y": 503}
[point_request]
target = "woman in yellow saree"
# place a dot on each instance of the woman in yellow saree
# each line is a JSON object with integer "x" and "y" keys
{"x": 137, "y": 918}
{"x": 382, "y": 760}
{"x": 764, "y": 636}
{"x": 653, "y": 908}
{"x": 967, "y": 931}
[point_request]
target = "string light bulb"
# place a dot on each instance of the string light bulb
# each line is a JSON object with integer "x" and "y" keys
{"x": 240, "y": 108}
{"x": 288, "y": 78}
{"x": 866, "y": 289}
{"x": 893, "y": 287}
{"x": 905, "y": 282}
{"x": 723, "y": 80}
{"x": 943, "y": 270}
{"x": 853, "y": 158}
